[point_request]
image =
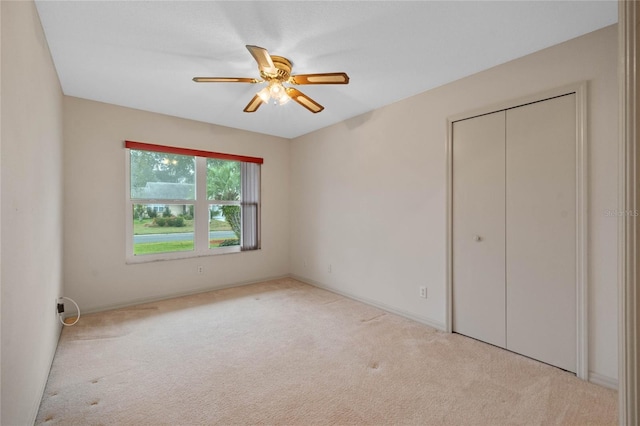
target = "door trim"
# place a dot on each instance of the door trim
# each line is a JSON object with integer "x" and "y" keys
{"x": 580, "y": 90}
{"x": 628, "y": 197}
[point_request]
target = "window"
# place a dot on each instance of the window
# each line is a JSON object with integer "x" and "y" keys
{"x": 186, "y": 203}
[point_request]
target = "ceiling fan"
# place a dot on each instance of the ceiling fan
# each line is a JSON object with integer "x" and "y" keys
{"x": 276, "y": 70}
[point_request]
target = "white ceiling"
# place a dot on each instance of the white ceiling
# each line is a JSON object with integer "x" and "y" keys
{"x": 143, "y": 54}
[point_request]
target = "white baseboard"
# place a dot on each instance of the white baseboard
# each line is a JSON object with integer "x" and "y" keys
{"x": 43, "y": 385}
{"x": 179, "y": 294}
{"x": 599, "y": 379}
{"x": 423, "y": 320}
{"x": 594, "y": 378}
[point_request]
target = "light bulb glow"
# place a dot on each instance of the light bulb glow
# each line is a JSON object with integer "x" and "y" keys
{"x": 264, "y": 94}
{"x": 284, "y": 99}
{"x": 275, "y": 92}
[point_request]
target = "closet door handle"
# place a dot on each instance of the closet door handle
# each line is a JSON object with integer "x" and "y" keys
{"x": 477, "y": 238}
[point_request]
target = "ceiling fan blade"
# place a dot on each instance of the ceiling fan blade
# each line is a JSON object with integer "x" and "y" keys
{"x": 262, "y": 57}
{"x": 326, "y": 78}
{"x": 254, "y": 104}
{"x": 304, "y": 100}
{"x": 225, "y": 80}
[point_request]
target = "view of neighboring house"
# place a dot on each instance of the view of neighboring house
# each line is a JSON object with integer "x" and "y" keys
{"x": 166, "y": 191}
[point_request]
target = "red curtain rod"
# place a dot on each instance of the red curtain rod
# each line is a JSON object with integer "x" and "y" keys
{"x": 186, "y": 151}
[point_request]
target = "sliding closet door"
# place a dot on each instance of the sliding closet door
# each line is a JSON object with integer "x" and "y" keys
{"x": 541, "y": 231}
{"x": 478, "y": 228}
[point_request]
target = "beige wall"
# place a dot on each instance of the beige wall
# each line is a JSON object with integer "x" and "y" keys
{"x": 31, "y": 189}
{"x": 95, "y": 272}
{"x": 0, "y": 213}
{"x": 368, "y": 194}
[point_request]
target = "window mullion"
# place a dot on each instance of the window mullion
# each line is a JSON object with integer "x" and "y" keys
{"x": 201, "y": 208}
{"x": 128, "y": 207}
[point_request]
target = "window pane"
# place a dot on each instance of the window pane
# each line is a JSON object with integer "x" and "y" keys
{"x": 250, "y": 173}
{"x": 157, "y": 175}
{"x": 162, "y": 228}
{"x": 224, "y": 225}
{"x": 223, "y": 180}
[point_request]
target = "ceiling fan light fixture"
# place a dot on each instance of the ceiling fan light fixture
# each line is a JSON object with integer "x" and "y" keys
{"x": 264, "y": 94}
{"x": 274, "y": 91}
{"x": 284, "y": 99}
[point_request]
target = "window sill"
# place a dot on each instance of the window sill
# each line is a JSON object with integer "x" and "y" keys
{"x": 146, "y": 258}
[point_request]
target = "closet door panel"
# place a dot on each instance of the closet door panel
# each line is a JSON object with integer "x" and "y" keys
{"x": 541, "y": 231}
{"x": 478, "y": 228}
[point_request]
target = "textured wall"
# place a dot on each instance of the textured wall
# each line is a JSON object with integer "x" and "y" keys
{"x": 31, "y": 211}
{"x": 95, "y": 272}
{"x": 369, "y": 194}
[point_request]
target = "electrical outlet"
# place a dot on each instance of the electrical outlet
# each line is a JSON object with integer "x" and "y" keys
{"x": 304, "y": 262}
{"x": 423, "y": 292}
{"x": 329, "y": 269}
{"x": 200, "y": 269}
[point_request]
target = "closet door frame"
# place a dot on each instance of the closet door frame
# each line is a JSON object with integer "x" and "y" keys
{"x": 582, "y": 308}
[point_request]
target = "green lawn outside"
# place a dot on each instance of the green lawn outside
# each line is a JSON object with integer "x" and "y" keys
{"x": 150, "y": 248}
{"x": 216, "y": 243}
{"x": 166, "y": 247}
{"x": 141, "y": 227}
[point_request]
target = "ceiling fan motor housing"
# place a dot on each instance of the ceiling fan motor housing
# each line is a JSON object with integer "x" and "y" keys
{"x": 283, "y": 69}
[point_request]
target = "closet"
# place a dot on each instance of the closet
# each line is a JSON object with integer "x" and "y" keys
{"x": 513, "y": 229}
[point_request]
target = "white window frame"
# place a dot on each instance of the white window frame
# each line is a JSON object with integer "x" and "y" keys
{"x": 201, "y": 209}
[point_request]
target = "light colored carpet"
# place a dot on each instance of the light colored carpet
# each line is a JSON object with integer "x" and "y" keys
{"x": 283, "y": 352}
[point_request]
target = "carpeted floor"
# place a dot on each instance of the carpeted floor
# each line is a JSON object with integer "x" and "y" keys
{"x": 286, "y": 353}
